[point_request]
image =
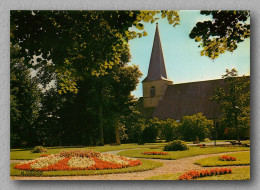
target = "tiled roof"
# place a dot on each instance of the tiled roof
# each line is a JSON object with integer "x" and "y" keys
{"x": 188, "y": 99}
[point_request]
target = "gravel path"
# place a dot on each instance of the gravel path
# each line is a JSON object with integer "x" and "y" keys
{"x": 169, "y": 166}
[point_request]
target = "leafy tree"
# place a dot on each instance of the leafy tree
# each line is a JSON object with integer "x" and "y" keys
{"x": 169, "y": 129}
{"x": 150, "y": 131}
{"x": 73, "y": 44}
{"x": 25, "y": 103}
{"x": 222, "y": 32}
{"x": 75, "y": 48}
{"x": 234, "y": 100}
{"x": 195, "y": 126}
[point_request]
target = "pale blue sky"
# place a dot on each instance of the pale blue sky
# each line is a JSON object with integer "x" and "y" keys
{"x": 182, "y": 55}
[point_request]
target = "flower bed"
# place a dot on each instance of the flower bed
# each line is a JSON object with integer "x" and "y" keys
{"x": 78, "y": 160}
{"x": 202, "y": 145}
{"x": 155, "y": 153}
{"x": 203, "y": 173}
{"x": 227, "y": 158}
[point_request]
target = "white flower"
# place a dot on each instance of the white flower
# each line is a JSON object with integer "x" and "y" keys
{"x": 79, "y": 162}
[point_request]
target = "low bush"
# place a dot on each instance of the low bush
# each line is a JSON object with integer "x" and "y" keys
{"x": 39, "y": 149}
{"x": 149, "y": 134}
{"x": 176, "y": 145}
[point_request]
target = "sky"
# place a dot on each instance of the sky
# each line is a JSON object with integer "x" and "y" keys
{"x": 182, "y": 55}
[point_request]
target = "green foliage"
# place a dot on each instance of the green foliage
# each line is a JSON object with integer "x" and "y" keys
{"x": 195, "y": 126}
{"x": 75, "y": 44}
{"x": 85, "y": 55}
{"x": 222, "y": 32}
{"x": 39, "y": 149}
{"x": 176, "y": 145}
{"x": 134, "y": 125}
{"x": 235, "y": 102}
{"x": 169, "y": 129}
{"x": 25, "y": 102}
{"x": 150, "y": 132}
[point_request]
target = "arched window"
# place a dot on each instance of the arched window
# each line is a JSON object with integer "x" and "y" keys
{"x": 152, "y": 91}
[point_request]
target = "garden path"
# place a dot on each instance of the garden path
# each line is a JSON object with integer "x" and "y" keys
{"x": 169, "y": 166}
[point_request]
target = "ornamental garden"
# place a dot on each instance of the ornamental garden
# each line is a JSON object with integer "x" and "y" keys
{"x": 129, "y": 158}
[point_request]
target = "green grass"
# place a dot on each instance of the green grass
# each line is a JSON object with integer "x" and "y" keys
{"x": 193, "y": 151}
{"x": 174, "y": 176}
{"x": 237, "y": 174}
{"x": 147, "y": 165}
{"x": 21, "y": 154}
{"x": 243, "y": 158}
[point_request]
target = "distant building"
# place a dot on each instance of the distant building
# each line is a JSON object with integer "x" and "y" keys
{"x": 164, "y": 99}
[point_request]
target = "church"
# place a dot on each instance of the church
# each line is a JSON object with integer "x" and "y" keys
{"x": 164, "y": 99}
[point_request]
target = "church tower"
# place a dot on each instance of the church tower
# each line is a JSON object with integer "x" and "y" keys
{"x": 156, "y": 82}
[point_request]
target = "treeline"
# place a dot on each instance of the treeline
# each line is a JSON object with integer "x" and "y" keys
{"x": 190, "y": 128}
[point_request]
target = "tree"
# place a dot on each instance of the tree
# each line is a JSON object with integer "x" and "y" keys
{"x": 222, "y": 32}
{"x": 25, "y": 103}
{"x": 75, "y": 47}
{"x": 195, "y": 126}
{"x": 234, "y": 100}
{"x": 169, "y": 129}
{"x": 73, "y": 44}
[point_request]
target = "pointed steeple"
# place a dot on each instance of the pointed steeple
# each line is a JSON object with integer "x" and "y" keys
{"x": 157, "y": 69}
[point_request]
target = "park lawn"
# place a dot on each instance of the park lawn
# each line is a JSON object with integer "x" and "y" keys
{"x": 243, "y": 158}
{"x": 174, "y": 176}
{"x": 237, "y": 174}
{"x": 146, "y": 165}
{"x": 21, "y": 154}
{"x": 193, "y": 151}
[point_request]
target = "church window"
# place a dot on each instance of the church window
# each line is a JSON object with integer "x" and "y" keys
{"x": 152, "y": 91}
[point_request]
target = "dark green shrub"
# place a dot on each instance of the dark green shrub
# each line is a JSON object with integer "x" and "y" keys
{"x": 149, "y": 134}
{"x": 168, "y": 129}
{"x": 176, "y": 145}
{"x": 39, "y": 149}
{"x": 195, "y": 126}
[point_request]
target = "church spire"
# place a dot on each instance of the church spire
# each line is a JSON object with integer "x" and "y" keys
{"x": 157, "y": 69}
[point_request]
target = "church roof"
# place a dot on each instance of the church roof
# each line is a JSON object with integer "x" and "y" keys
{"x": 157, "y": 69}
{"x": 188, "y": 99}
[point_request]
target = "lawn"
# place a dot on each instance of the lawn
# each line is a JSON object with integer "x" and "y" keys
{"x": 193, "y": 151}
{"x": 147, "y": 165}
{"x": 21, "y": 154}
{"x": 237, "y": 174}
{"x": 242, "y": 158}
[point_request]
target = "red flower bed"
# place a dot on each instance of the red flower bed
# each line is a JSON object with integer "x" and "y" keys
{"x": 227, "y": 158}
{"x": 44, "y": 155}
{"x": 155, "y": 153}
{"x": 81, "y": 160}
{"x": 202, "y": 145}
{"x": 203, "y": 173}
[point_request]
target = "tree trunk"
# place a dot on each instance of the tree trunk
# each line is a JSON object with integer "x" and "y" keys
{"x": 100, "y": 124}
{"x": 237, "y": 128}
{"x": 117, "y": 132}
